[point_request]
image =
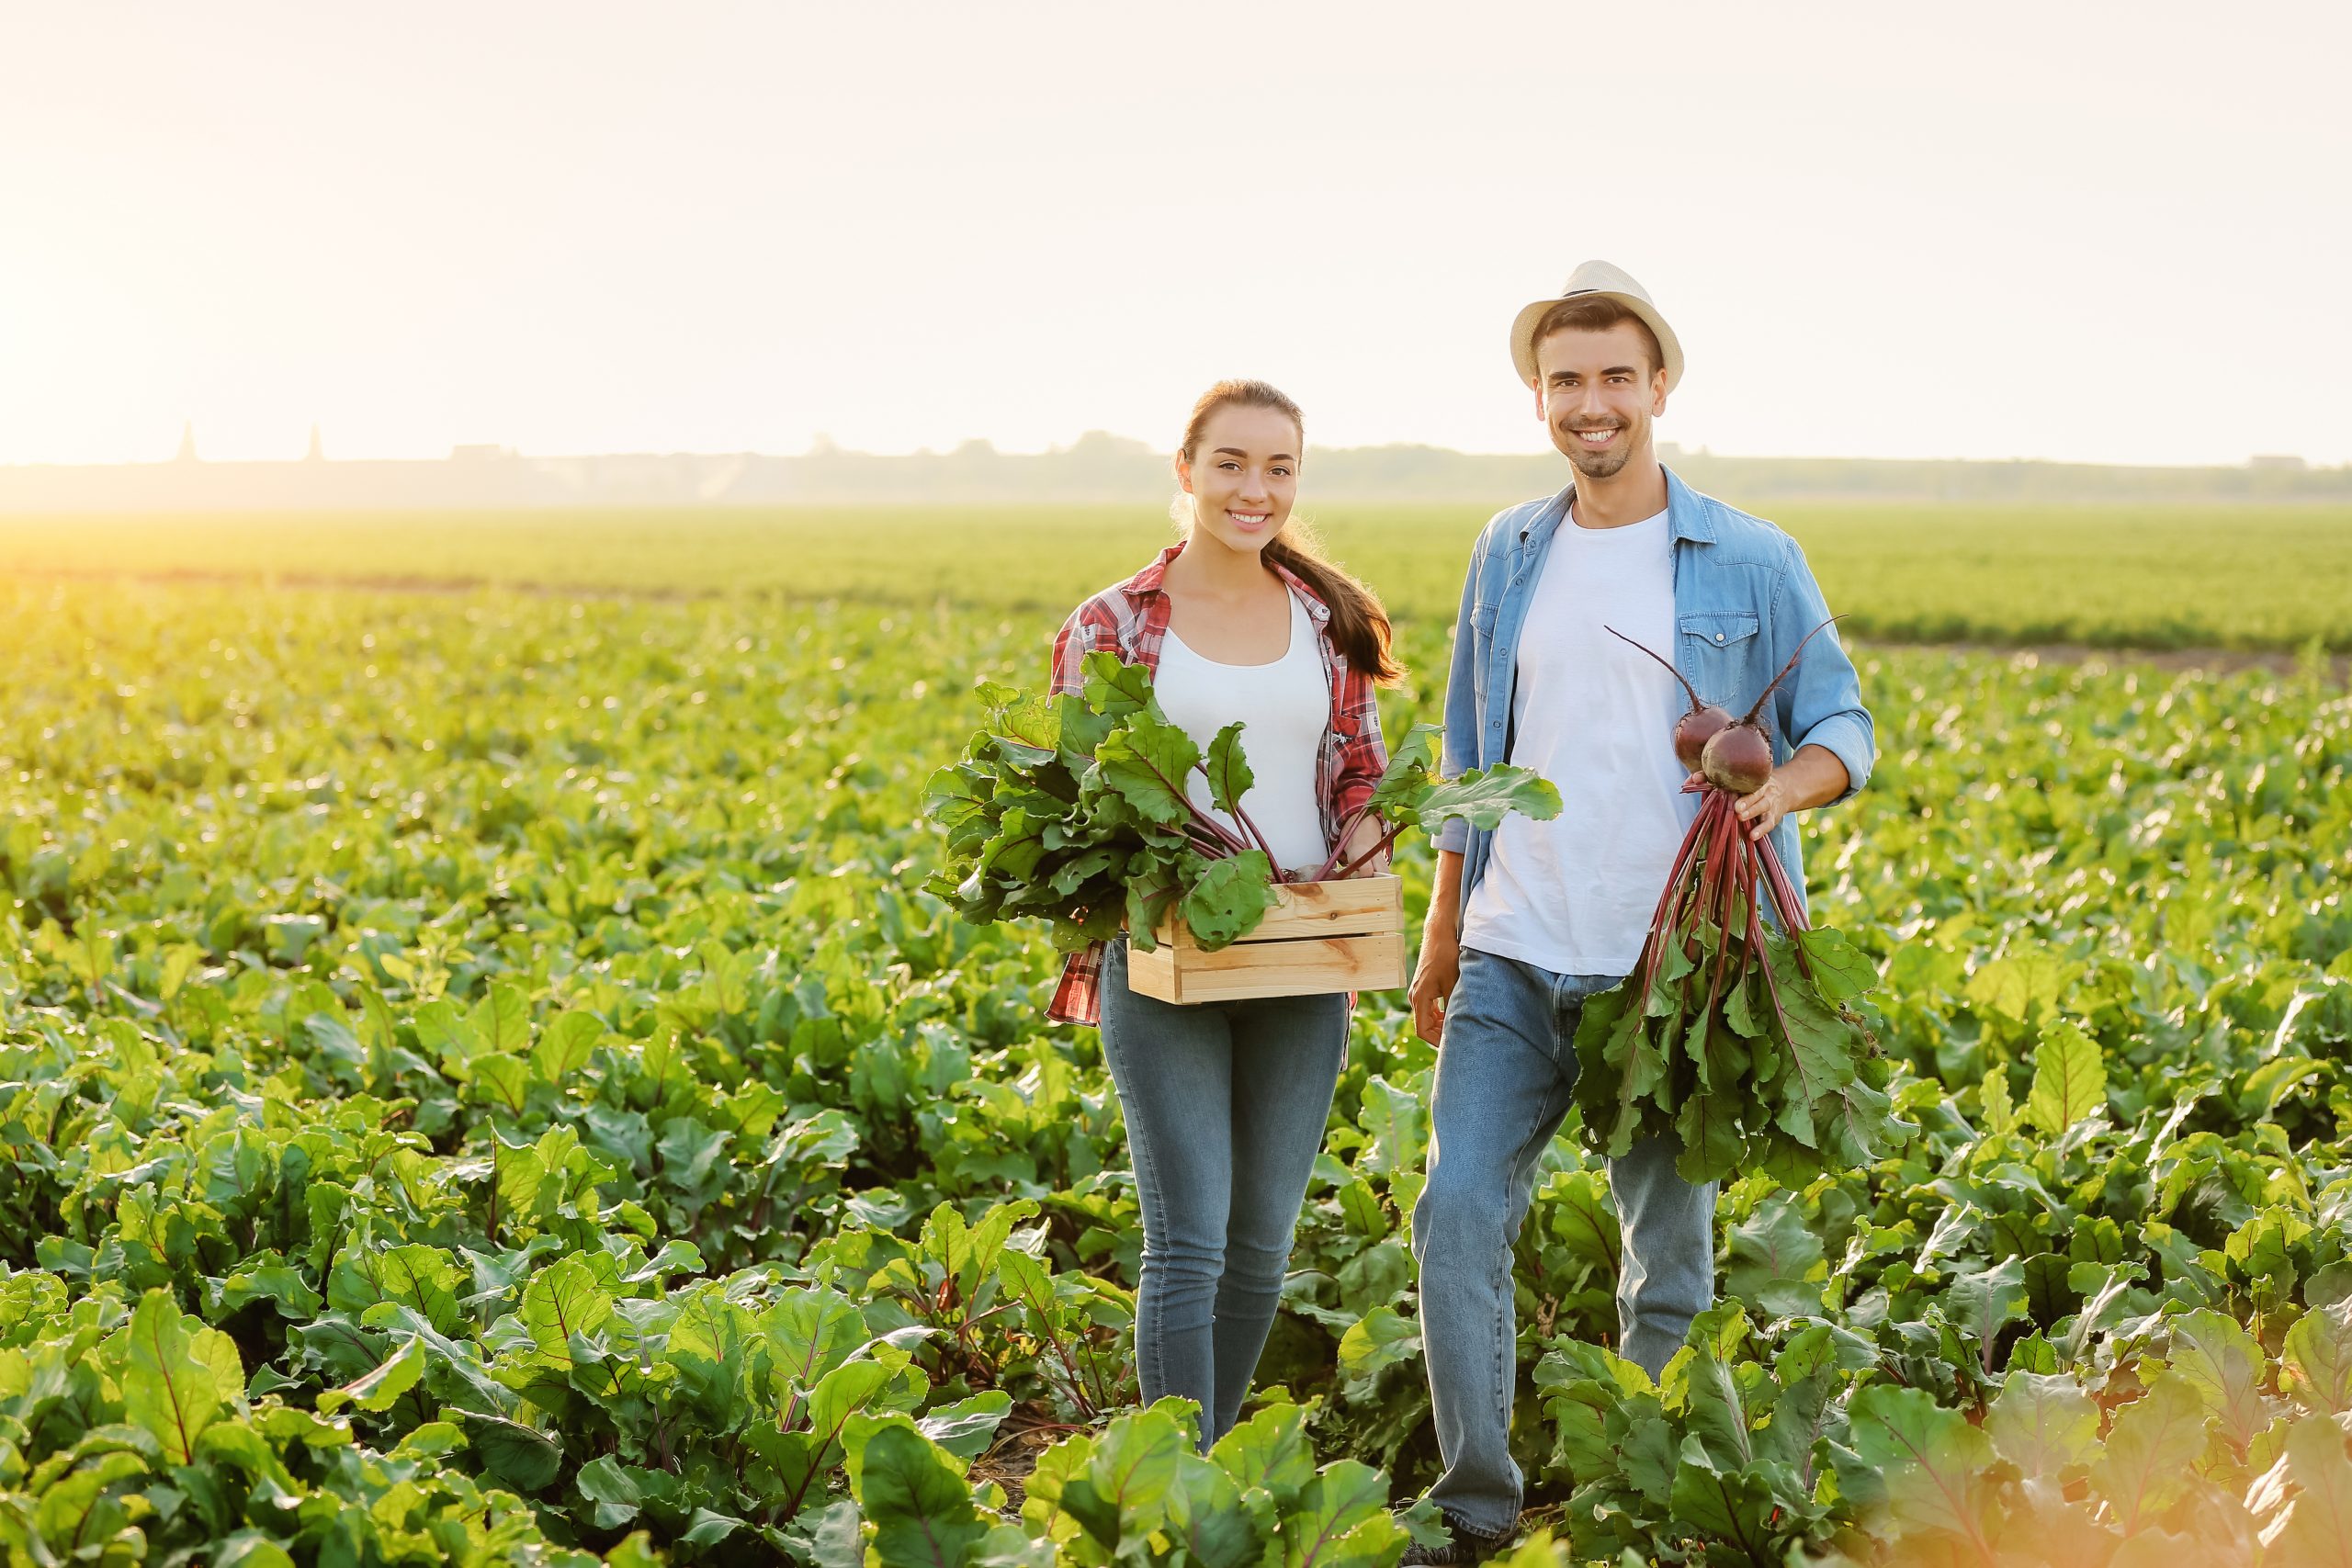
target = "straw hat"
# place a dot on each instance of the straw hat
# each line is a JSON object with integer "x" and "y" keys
{"x": 1601, "y": 280}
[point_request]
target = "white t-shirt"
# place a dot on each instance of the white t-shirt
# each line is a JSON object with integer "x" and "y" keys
{"x": 1286, "y": 706}
{"x": 1574, "y": 894}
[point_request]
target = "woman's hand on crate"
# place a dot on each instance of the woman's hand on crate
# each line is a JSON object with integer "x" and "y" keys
{"x": 1365, "y": 839}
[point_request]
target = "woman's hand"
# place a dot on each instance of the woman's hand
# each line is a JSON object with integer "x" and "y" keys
{"x": 1365, "y": 839}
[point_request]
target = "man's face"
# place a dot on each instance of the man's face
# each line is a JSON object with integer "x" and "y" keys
{"x": 1596, "y": 392}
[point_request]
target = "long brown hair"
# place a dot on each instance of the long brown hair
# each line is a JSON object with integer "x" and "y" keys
{"x": 1359, "y": 625}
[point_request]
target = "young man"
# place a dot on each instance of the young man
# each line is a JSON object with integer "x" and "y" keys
{"x": 1528, "y": 921}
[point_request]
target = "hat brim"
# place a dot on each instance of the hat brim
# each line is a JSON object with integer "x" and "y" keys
{"x": 1522, "y": 332}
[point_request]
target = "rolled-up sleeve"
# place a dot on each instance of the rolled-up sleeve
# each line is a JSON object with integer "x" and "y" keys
{"x": 1821, "y": 702}
{"x": 1459, "y": 752}
{"x": 1363, "y": 753}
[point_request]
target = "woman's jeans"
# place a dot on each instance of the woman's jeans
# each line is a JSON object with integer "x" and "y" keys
{"x": 1225, "y": 1104}
{"x": 1504, "y": 1077}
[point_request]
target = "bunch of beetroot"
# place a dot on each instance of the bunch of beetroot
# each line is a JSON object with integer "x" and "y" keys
{"x": 1745, "y": 1037}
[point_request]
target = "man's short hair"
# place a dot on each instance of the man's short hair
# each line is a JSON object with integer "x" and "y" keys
{"x": 1595, "y": 315}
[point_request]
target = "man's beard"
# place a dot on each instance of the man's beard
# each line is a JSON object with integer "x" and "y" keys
{"x": 1590, "y": 464}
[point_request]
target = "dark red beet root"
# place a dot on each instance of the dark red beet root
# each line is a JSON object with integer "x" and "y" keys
{"x": 1693, "y": 730}
{"x": 1738, "y": 759}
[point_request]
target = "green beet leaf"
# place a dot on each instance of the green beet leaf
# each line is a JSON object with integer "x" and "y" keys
{"x": 1146, "y": 760}
{"x": 2045, "y": 1424}
{"x": 2143, "y": 1464}
{"x": 1207, "y": 1517}
{"x": 1228, "y": 897}
{"x": 522, "y": 1456}
{"x": 178, "y": 1376}
{"x": 378, "y": 1389}
{"x": 2316, "y": 1528}
{"x": 1412, "y": 764}
{"x": 2069, "y": 1079}
{"x": 1410, "y": 791}
{"x": 1268, "y": 1455}
{"x": 1227, "y": 769}
{"x": 918, "y": 1511}
{"x": 1484, "y": 796}
{"x": 1921, "y": 1469}
{"x": 1114, "y": 689}
{"x": 1341, "y": 1520}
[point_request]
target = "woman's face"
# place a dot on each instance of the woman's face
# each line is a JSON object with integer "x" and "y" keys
{"x": 1242, "y": 477}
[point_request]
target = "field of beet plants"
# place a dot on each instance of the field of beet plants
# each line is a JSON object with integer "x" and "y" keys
{"x": 479, "y": 1081}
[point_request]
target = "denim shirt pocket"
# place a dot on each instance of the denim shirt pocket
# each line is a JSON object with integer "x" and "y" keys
{"x": 1718, "y": 653}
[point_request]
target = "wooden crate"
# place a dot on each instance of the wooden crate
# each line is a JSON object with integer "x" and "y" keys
{"x": 1320, "y": 936}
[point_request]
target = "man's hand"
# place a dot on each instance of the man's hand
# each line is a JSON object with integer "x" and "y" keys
{"x": 1813, "y": 777}
{"x": 1433, "y": 979}
{"x": 1762, "y": 810}
{"x": 1441, "y": 962}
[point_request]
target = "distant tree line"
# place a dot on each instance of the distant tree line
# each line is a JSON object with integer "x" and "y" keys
{"x": 1098, "y": 467}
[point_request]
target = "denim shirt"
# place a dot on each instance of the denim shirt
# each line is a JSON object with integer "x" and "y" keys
{"x": 1743, "y": 598}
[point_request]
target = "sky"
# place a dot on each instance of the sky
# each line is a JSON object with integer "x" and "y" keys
{"x": 2092, "y": 231}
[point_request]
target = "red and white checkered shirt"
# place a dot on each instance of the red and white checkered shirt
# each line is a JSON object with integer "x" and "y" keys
{"x": 1131, "y": 620}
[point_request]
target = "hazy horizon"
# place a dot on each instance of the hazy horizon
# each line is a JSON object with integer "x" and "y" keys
{"x": 2093, "y": 234}
{"x": 822, "y": 445}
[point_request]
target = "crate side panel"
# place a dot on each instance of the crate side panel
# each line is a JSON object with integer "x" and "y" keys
{"x": 1153, "y": 974}
{"x": 1294, "y": 968}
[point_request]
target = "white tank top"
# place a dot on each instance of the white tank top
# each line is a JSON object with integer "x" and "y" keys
{"x": 1286, "y": 706}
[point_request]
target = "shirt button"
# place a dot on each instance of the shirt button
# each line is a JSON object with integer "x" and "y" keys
{"x": 1719, "y": 636}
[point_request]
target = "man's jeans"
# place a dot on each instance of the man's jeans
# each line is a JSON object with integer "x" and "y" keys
{"x": 1224, "y": 1105}
{"x": 1504, "y": 1075}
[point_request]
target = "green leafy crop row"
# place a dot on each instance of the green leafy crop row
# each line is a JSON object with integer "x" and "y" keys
{"x": 2251, "y": 575}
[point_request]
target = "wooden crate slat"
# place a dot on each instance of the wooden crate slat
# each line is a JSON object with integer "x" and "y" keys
{"x": 1357, "y": 907}
{"x": 1293, "y": 968}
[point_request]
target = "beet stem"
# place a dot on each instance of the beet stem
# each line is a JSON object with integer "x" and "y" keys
{"x": 1783, "y": 675}
{"x": 1722, "y": 953}
{"x": 1666, "y": 917}
{"x": 1339, "y": 841}
{"x": 1385, "y": 842}
{"x": 1243, "y": 818}
{"x": 1773, "y": 985}
{"x": 1695, "y": 703}
{"x": 1784, "y": 895}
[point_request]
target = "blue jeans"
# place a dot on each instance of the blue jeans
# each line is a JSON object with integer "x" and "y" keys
{"x": 1504, "y": 1077}
{"x": 1224, "y": 1105}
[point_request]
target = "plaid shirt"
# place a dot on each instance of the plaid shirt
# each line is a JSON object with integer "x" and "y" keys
{"x": 1131, "y": 620}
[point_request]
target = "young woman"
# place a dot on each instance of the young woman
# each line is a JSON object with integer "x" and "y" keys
{"x": 1225, "y": 1101}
